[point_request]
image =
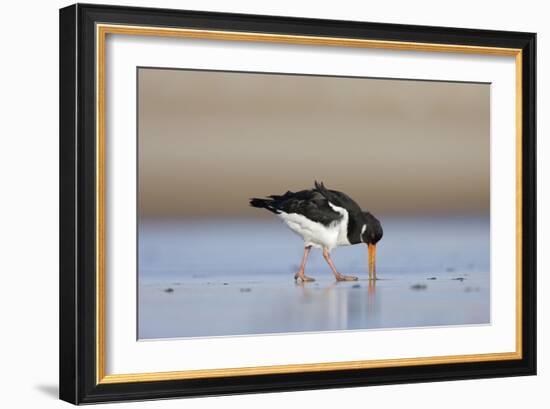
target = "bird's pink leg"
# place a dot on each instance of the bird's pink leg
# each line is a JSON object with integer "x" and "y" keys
{"x": 339, "y": 276}
{"x": 301, "y": 274}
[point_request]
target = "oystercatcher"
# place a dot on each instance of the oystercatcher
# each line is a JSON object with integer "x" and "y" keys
{"x": 325, "y": 219}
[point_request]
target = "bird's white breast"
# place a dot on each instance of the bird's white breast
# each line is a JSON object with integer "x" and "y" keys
{"x": 316, "y": 234}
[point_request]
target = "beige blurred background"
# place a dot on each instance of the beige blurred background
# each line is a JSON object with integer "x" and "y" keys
{"x": 208, "y": 141}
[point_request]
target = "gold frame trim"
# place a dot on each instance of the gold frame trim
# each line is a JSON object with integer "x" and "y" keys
{"x": 101, "y": 32}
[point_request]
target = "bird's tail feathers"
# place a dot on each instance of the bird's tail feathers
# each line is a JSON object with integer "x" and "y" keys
{"x": 263, "y": 204}
{"x": 320, "y": 187}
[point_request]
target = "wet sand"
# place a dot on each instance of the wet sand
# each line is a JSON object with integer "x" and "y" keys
{"x": 278, "y": 305}
{"x": 233, "y": 278}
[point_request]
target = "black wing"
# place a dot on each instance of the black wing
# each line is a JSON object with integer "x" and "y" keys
{"x": 338, "y": 199}
{"x": 308, "y": 203}
{"x": 356, "y": 219}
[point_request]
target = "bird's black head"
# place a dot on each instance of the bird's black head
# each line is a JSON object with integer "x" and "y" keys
{"x": 373, "y": 231}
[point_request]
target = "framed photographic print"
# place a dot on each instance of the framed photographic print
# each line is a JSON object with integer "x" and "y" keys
{"x": 258, "y": 203}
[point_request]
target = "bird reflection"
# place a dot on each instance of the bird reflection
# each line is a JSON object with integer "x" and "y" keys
{"x": 338, "y": 302}
{"x": 371, "y": 302}
{"x": 307, "y": 290}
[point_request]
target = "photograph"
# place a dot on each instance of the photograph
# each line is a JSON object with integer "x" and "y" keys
{"x": 259, "y": 203}
{"x": 277, "y": 203}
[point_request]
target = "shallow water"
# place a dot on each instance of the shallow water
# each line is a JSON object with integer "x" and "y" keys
{"x": 221, "y": 278}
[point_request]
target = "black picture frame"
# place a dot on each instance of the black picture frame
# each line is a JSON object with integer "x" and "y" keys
{"x": 78, "y": 312}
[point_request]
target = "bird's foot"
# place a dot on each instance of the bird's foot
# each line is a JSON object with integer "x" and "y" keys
{"x": 301, "y": 277}
{"x": 342, "y": 277}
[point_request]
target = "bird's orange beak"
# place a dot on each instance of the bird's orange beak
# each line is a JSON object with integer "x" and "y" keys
{"x": 372, "y": 261}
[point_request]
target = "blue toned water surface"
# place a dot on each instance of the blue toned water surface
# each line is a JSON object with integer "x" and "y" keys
{"x": 235, "y": 277}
